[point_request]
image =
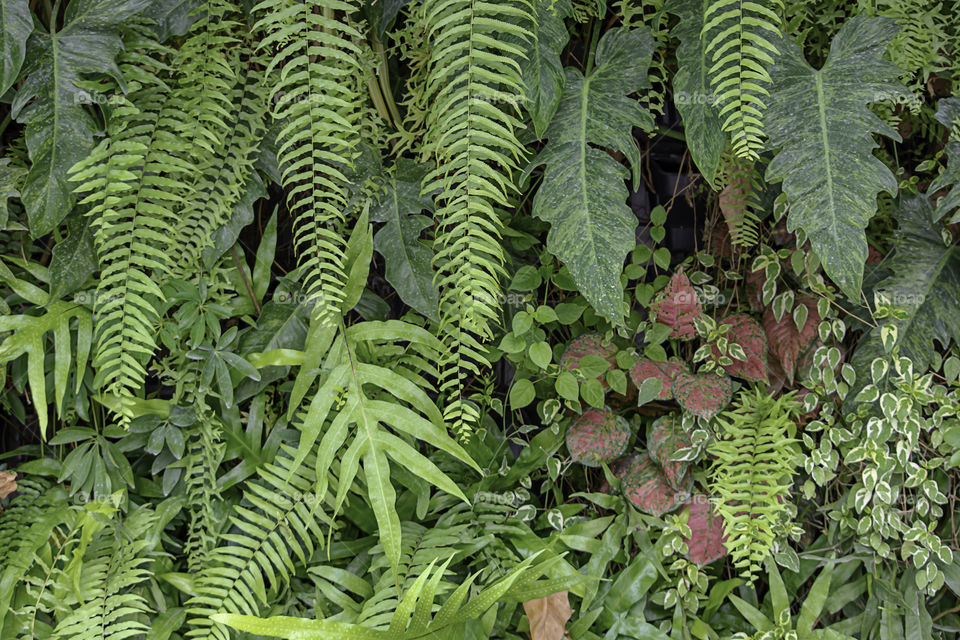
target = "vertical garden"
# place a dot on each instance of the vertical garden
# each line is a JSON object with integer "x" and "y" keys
{"x": 469, "y": 319}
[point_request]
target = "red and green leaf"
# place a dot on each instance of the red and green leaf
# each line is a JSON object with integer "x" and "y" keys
{"x": 666, "y": 436}
{"x": 704, "y": 394}
{"x": 589, "y": 344}
{"x": 645, "y": 485}
{"x": 746, "y": 332}
{"x": 707, "y": 539}
{"x": 599, "y": 435}
{"x": 790, "y": 346}
{"x": 677, "y": 306}
{"x": 663, "y": 371}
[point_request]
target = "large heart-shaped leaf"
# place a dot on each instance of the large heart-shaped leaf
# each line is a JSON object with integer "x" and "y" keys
{"x": 677, "y": 306}
{"x": 645, "y": 485}
{"x": 819, "y": 122}
{"x": 746, "y": 332}
{"x": 583, "y": 195}
{"x": 542, "y": 70}
{"x": 707, "y": 537}
{"x": 665, "y": 372}
{"x": 666, "y": 436}
{"x": 704, "y": 394}
{"x": 59, "y": 131}
{"x": 599, "y": 435}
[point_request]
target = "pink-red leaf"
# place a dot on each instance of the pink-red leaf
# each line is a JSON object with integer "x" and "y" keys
{"x": 746, "y": 332}
{"x": 664, "y": 371}
{"x": 589, "y": 344}
{"x": 645, "y": 485}
{"x": 704, "y": 394}
{"x": 599, "y": 435}
{"x": 677, "y": 306}
{"x": 666, "y": 436}
{"x": 789, "y": 346}
{"x": 707, "y": 539}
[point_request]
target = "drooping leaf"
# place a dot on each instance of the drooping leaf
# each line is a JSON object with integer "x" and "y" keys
{"x": 645, "y": 485}
{"x": 692, "y": 92}
{"x": 677, "y": 306}
{"x": 948, "y": 114}
{"x": 548, "y": 616}
{"x": 819, "y": 122}
{"x": 542, "y": 70}
{"x": 16, "y": 24}
{"x": 408, "y": 259}
{"x": 665, "y": 372}
{"x": 599, "y": 435}
{"x": 746, "y": 332}
{"x": 583, "y": 195}
{"x": 59, "y": 130}
{"x": 789, "y": 346}
{"x": 704, "y": 394}
{"x": 589, "y": 344}
{"x": 707, "y": 538}
{"x": 924, "y": 284}
{"x": 666, "y": 436}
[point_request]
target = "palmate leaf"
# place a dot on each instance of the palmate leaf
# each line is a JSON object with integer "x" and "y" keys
{"x": 692, "y": 93}
{"x": 924, "y": 284}
{"x": 16, "y": 24}
{"x": 407, "y": 258}
{"x": 59, "y": 130}
{"x": 583, "y": 195}
{"x": 948, "y": 114}
{"x": 543, "y": 76}
{"x": 820, "y": 123}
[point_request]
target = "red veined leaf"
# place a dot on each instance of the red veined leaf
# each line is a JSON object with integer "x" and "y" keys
{"x": 666, "y": 436}
{"x": 746, "y": 332}
{"x": 707, "y": 538}
{"x": 597, "y": 436}
{"x": 664, "y": 371}
{"x": 677, "y": 306}
{"x": 704, "y": 394}
{"x": 645, "y": 485}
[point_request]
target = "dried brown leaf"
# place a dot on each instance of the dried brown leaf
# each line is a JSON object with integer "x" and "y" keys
{"x": 8, "y": 483}
{"x": 548, "y": 616}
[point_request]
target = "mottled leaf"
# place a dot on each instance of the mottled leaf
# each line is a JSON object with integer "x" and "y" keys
{"x": 588, "y": 344}
{"x": 16, "y": 24}
{"x": 666, "y": 436}
{"x": 645, "y": 485}
{"x": 707, "y": 537}
{"x": 74, "y": 259}
{"x": 599, "y": 435}
{"x": 543, "y": 74}
{"x": 746, "y": 332}
{"x": 677, "y": 306}
{"x": 664, "y": 371}
{"x": 948, "y": 114}
{"x": 704, "y": 394}
{"x": 789, "y": 346}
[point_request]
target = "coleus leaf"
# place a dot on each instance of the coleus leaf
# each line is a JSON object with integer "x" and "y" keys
{"x": 707, "y": 537}
{"x": 948, "y": 114}
{"x": 791, "y": 347}
{"x": 677, "y": 306}
{"x": 589, "y": 344}
{"x": 583, "y": 195}
{"x": 704, "y": 394}
{"x": 408, "y": 260}
{"x": 645, "y": 485}
{"x": 924, "y": 284}
{"x": 746, "y": 332}
{"x": 59, "y": 130}
{"x": 542, "y": 70}
{"x": 664, "y": 371}
{"x": 599, "y": 435}
{"x": 819, "y": 122}
{"x": 692, "y": 93}
{"x": 666, "y": 436}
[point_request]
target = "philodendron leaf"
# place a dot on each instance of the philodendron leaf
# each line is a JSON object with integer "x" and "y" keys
{"x": 924, "y": 284}
{"x": 747, "y": 332}
{"x": 692, "y": 92}
{"x": 59, "y": 130}
{"x": 704, "y": 394}
{"x": 645, "y": 485}
{"x": 542, "y": 69}
{"x": 408, "y": 259}
{"x": 15, "y": 27}
{"x": 583, "y": 195}
{"x": 665, "y": 372}
{"x": 665, "y": 437}
{"x": 819, "y": 123}
{"x": 948, "y": 114}
{"x": 599, "y": 435}
{"x": 707, "y": 538}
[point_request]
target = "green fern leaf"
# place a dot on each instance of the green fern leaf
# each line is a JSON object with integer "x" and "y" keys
{"x": 820, "y": 123}
{"x": 583, "y": 195}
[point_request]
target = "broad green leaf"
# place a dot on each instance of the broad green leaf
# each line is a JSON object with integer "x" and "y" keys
{"x": 813, "y": 605}
{"x": 948, "y": 114}
{"x": 542, "y": 71}
{"x": 74, "y": 259}
{"x": 819, "y": 123}
{"x": 408, "y": 259}
{"x": 265, "y": 254}
{"x": 59, "y": 129}
{"x": 356, "y": 261}
{"x": 692, "y": 92}
{"x": 583, "y": 195}
{"x": 16, "y": 24}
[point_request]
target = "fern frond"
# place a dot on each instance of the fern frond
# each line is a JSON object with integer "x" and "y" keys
{"x": 474, "y": 88}
{"x": 738, "y": 200}
{"x": 200, "y": 479}
{"x": 314, "y": 52}
{"x": 135, "y": 182}
{"x": 740, "y": 36}
{"x": 755, "y": 462}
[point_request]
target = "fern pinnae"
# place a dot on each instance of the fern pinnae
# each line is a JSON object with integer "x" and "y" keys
{"x": 314, "y": 49}
{"x": 472, "y": 76}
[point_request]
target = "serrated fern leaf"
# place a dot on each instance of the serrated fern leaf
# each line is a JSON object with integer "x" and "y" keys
{"x": 474, "y": 87}
{"x": 314, "y": 52}
{"x": 820, "y": 123}
{"x": 740, "y": 37}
